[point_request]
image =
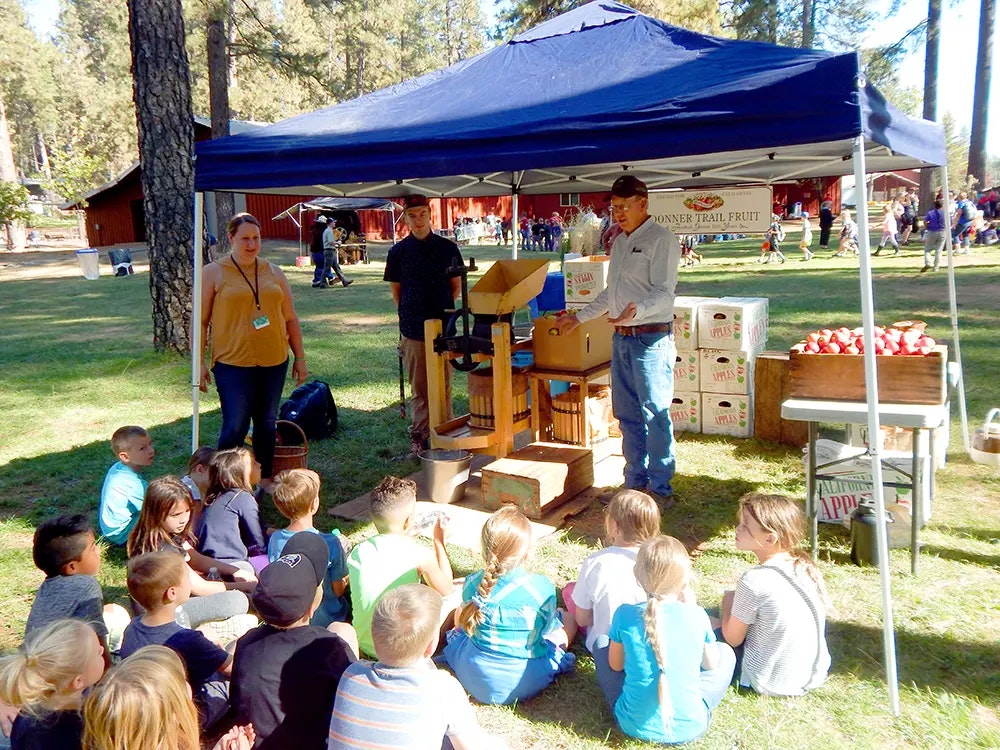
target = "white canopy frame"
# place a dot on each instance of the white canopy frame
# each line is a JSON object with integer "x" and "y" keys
{"x": 736, "y": 167}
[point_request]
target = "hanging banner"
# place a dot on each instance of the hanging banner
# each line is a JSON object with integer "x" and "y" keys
{"x": 739, "y": 211}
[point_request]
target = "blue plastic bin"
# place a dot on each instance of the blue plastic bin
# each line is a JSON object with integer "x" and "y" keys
{"x": 553, "y": 295}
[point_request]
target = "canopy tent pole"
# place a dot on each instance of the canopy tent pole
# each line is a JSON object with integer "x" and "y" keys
{"x": 874, "y": 429}
{"x": 515, "y": 223}
{"x": 199, "y": 248}
{"x": 300, "y": 229}
{"x": 953, "y": 304}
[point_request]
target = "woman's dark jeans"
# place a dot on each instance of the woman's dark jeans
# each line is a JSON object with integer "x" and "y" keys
{"x": 250, "y": 394}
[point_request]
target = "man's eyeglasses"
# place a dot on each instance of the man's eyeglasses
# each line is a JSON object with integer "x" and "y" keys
{"x": 621, "y": 207}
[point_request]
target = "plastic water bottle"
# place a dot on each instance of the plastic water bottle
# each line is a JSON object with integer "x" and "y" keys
{"x": 213, "y": 574}
{"x": 181, "y": 617}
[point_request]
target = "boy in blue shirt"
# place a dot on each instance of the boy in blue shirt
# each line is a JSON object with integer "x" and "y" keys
{"x": 124, "y": 489}
{"x": 296, "y": 496}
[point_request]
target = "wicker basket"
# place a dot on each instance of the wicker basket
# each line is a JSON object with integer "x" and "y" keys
{"x": 289, "y": 456}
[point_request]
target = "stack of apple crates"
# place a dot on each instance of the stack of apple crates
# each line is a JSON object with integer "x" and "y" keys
{"x": 717, "y": 339}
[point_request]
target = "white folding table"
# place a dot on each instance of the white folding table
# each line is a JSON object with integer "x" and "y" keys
{"x": 914, "y": 417}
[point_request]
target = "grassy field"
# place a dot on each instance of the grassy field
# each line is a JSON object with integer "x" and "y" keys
{"x": 78, "y": 363}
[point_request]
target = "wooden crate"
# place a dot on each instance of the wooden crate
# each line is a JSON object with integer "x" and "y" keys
{"x": 537, "y": 478}
{"x": 841, "y": 377}
{"x": 772, "y": 385}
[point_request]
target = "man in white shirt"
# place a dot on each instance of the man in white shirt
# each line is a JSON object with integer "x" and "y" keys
{"x": 639, "y": 303}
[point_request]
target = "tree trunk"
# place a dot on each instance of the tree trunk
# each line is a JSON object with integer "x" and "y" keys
{"x": 218, "y": 95}
{"x": 807, "y": 24}
{"x": 927, "y": 176}
{"x": 8, "y": 173}
{"x": 162, "y": 94}
{"x": 981, "y": 97}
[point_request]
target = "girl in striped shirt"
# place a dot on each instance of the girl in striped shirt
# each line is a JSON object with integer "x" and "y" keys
{"x": 508, "y": 643}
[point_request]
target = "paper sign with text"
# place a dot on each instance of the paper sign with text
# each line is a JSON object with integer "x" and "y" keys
{"x": 742, "y": 210}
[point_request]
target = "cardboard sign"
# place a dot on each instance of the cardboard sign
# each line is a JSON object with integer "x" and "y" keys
{"x": 742, "y": 211}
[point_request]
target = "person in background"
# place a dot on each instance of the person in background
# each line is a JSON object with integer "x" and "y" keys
{"x": 935, "y": 236}
{"x": 331, "y": 258}
{"x": 639, "y": 303}
{"x": 807, "y": 236}
{"x": 889, "y": 227}
{"x": 848, "y": 236}
{"x": 965, "y": 216}
{"x": 825, "y": 221}
{"x": 321, "y": 274}
{"x": 417, "y": 269}
{"x": 249, "y": 317}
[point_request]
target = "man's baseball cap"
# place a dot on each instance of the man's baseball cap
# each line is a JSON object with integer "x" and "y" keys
{"x": 414, "y": 201}
{"x": 287, "y": 587}
{"x": 626, "y": 186}
{"x": 322, "y": 219}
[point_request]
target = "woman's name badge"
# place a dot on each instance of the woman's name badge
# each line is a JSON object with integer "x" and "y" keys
{"x": 261, "y": 322}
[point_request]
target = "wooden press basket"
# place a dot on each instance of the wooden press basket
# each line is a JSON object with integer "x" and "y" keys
{"x": 289, "y": 456}
{"x": 986, "y": 441}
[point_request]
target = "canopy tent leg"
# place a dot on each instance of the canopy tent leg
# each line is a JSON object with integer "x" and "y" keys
{"x": 953, "y": 304}
{"x": 199, "y": 247}
{"x": 515, "y": 223}
{"x": 871, "y": 397}
{"x": 300, "y": 229}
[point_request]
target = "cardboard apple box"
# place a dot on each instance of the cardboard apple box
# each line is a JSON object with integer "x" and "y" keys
{"x": 686, "y": 321}
{"x": 723, "y": 371}
{"x": 686, "y": 372}
{"x": 733, "y": 323}
{"x": 589, "y": 345}
{"x": 685, "y": 412}
{"x": 585, "y": 278}
{"x": 727, "y": 414}
{"x": 840, "y": 496}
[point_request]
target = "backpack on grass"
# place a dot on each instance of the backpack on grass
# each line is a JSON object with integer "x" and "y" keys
{"x": 311, "y": 407}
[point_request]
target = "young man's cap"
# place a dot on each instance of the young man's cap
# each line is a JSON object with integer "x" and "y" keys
{"x": 805, "y": 214}
{"x": 287, "y": 587}
{"x": 415, "y": 200}
{"x": 627, "y": 186}
{"x": 322, "y": 219}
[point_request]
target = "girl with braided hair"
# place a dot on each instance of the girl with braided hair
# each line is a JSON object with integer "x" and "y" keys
{"x": 508, "y": 643}
{"x": 675, "y": 670}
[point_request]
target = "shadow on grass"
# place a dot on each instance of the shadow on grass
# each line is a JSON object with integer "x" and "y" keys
{"x": 963, "y": 556}
{"x": 926, "y": 660}
{"x": 983, "y": 535}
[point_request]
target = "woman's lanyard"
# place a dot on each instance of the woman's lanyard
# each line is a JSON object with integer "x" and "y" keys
{"x": 260, "y": 321}
{"x": 255, "y": 287}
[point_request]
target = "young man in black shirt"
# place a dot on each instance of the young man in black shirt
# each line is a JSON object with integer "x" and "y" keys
{"x": 416, "y": 269}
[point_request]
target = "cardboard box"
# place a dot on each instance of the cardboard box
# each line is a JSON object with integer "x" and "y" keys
{"x": 841, "y": 377}
{"x": 586, "y": 278}
{"x": 508, "y": 285}
{"x": 686, "y": 321}
{"x": 733, "y": 323}
{"x": 687, "y": 369}
{"x": 839, "y": 497}
{"x": 586, "y": 347}
{"x": 685, "y": 412}
{"x": 727, "y": 414}
{"x": 723, "y": 371}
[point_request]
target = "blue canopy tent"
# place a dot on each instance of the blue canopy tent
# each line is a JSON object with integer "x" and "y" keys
{"x": 573, "y": 103}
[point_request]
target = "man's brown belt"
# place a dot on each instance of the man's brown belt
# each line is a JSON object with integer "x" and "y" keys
{"x": 648, "y": 328}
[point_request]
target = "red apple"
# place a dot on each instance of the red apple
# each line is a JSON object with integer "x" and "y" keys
{"x": 925, "y": 350}
{"x": 928, "y": 341}
{"x": 812, "y": 338}
{"x": 832, "y": 348}
{"x": 826, "y": 332}
{"x": 812, "y": 347}
{"x": 851, "y": 349}
{"x": 879, "y": 346}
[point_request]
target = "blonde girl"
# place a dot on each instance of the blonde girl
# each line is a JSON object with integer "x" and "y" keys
{"x": 889, "y": 230}
{"x": 508, "y": 643}
{"x": 229, "y": 529}
{"x": 145, "y": 702}
{"x": 675, "y": 671}
{"x": 778, "y": 610}
{"x": 165, "y": 524}
{"x": 607, "y": 579}
{"x": 47, "y": 677}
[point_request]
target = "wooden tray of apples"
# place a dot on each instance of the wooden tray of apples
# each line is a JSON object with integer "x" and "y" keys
{"x": 829, "y": 365}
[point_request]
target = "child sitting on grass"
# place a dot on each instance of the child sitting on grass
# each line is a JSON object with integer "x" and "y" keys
{"x": 509, "y": 643}
{"x": 675, "y": 670}
{"x": 197, "y": 480}
{"x": 65, "y": 550}
{"x": 286, "y": 672}
{"x": 124, "y": 488}
{"x": 607, "y": 579}
{"x": 778, "y": 611}
{"x": 165, "y": 524}
{"x": 296, "y": 496}
{"x": 47, "y": 678}
{"x": 391, "y": 558}
{"x": 229, "y": 528}
{"x": 159, "y": 582}
{"x": 402, "y": 700}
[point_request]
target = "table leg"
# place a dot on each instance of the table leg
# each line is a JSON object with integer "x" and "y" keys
{"x": 931, "y": 439}
{"x": 917, "y": 500}
{"x": 812, "y": 501}
{"x": 584, "y": 421}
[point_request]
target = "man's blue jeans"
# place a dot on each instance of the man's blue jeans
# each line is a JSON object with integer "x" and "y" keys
{"x": 319, "y": 261}
{"x": 250, "y": 393}
{"x": 642, "y": 387}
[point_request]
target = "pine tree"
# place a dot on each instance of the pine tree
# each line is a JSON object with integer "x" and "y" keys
{"x": 162, "y": 96}
{"x": 981, "y": 96}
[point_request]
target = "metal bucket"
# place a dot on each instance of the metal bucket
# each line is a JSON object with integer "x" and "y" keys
{"x": 446, "y": 473}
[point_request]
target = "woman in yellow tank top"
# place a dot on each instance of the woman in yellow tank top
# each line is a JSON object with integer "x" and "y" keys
{"x": 248, "y": 314}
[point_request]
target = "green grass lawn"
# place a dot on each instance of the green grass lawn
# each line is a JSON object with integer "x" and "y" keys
{"x": 77, "y": 363}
